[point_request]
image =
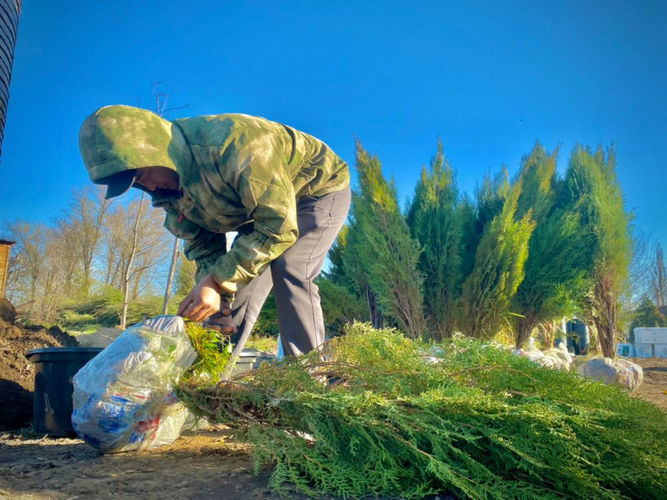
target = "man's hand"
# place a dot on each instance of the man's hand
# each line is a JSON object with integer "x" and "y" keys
{"x": 202, "y": 301}
{"x": 222, "y": 322}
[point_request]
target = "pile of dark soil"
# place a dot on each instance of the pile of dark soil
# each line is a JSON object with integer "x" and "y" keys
{"x": 17, "y": 374}
{"x": 7, "y": 311}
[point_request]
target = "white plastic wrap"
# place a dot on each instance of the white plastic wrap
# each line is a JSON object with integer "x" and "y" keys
{"x": 556, "y": 358}
{"x": 123, "y": 398}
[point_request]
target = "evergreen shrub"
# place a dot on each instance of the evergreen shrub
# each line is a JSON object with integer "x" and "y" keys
{"x": 377, "y": 414}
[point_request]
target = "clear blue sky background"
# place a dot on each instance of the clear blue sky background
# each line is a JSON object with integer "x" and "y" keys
{"x": 487, "y": 77}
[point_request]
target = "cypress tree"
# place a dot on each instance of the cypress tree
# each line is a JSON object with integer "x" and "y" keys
{"x": 499, "y": 258}
{"x": 593, "y": 190}
{"x": 659, "y": 278}
{"x": 436, "y": 217}
{"x": 353, "y": 270}
{"x": 380, "y": 249}
{"x": 558, "y": 257}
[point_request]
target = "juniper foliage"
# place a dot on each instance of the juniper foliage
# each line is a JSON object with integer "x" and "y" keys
{"x": 378, "y": 414}
{"x": 213, "y": 352}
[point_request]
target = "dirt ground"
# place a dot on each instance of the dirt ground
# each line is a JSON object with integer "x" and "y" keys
{"x": 654, "y": 388}
{"x": 201, "y": 465}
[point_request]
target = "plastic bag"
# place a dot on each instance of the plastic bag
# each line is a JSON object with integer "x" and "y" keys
{"x": 555, "y": 358}
{"x": 123, "y": 398}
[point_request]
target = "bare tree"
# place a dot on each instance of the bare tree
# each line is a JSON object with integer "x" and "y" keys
{"x": 170, "y": 277}
{"x": 52, "y": 265}
{"x": 647, "y": 272}
{"x": 30, "y": 249}
{"x": 40, "y": 267}
{"x": 134, "y": 245}
{"x": 70, "y": 263}
{"x": 55, "y": 286}
{"x": 658, "y": 277}
{"x": 161, "y": 99}
{"x": 14, "y": 276}
{"x": 132, "y": 250}
{"x": 153, "y": 247}
{"x": 111, "y": 248}
{"x": 640, "y": 268}
{"x": 88, "y": 209}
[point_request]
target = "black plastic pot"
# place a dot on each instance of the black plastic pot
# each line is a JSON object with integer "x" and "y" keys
{"x": 54, "y": 369}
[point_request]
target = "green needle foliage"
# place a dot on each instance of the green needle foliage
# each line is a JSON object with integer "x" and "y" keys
{"x": 559, "y": 252}
{"x": 380, "y": 254}
{"x": 213, "y": 352}
{"x": 499, "y": 258}
{"x": 378, "y": 414}
{"x": 437, "y": 218}
{"x": 593, "y": 191}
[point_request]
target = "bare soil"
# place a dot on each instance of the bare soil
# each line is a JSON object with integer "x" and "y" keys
{"x": 654, "y": 388}
{"x": 201, "y": 465}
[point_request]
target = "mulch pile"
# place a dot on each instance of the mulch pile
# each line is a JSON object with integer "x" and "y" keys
{"x": 17, "y": 374}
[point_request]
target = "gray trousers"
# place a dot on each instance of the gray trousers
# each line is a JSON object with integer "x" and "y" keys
{"x": 291, "y": 275}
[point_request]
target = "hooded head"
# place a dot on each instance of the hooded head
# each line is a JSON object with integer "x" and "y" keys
{"x": 116, "y": 140}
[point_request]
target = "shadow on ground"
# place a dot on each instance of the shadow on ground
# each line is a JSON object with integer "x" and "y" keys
{"x": 202, "y": 465}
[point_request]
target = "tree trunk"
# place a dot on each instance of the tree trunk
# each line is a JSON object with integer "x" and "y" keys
{"x": 606, "y": 339}
{"x": 373, "y": 309}
{"x": 549, "y": 333}
{"x": 524, "y": 327}
{"x": 128, "y": 268}
{"x": 170, "y": 279}
{"x": 605, "y": 316}
{"x": 659, "y": 278}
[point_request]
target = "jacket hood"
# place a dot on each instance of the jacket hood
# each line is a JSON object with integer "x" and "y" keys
{"x": 119, "y": 138}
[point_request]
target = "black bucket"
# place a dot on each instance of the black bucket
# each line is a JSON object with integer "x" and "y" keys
{"x": 54, "y": 369}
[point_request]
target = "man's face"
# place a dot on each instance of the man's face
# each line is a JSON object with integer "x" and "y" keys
{"x": 154, "y": 178}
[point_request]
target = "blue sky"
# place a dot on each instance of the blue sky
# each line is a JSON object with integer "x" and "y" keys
{"x": 487, "y": 77}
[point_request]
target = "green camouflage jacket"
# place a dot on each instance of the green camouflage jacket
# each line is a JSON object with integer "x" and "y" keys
{"x": 237, "y": 173}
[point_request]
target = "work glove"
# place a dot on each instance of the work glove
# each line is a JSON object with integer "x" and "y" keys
{"x": 222, "y": 321}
